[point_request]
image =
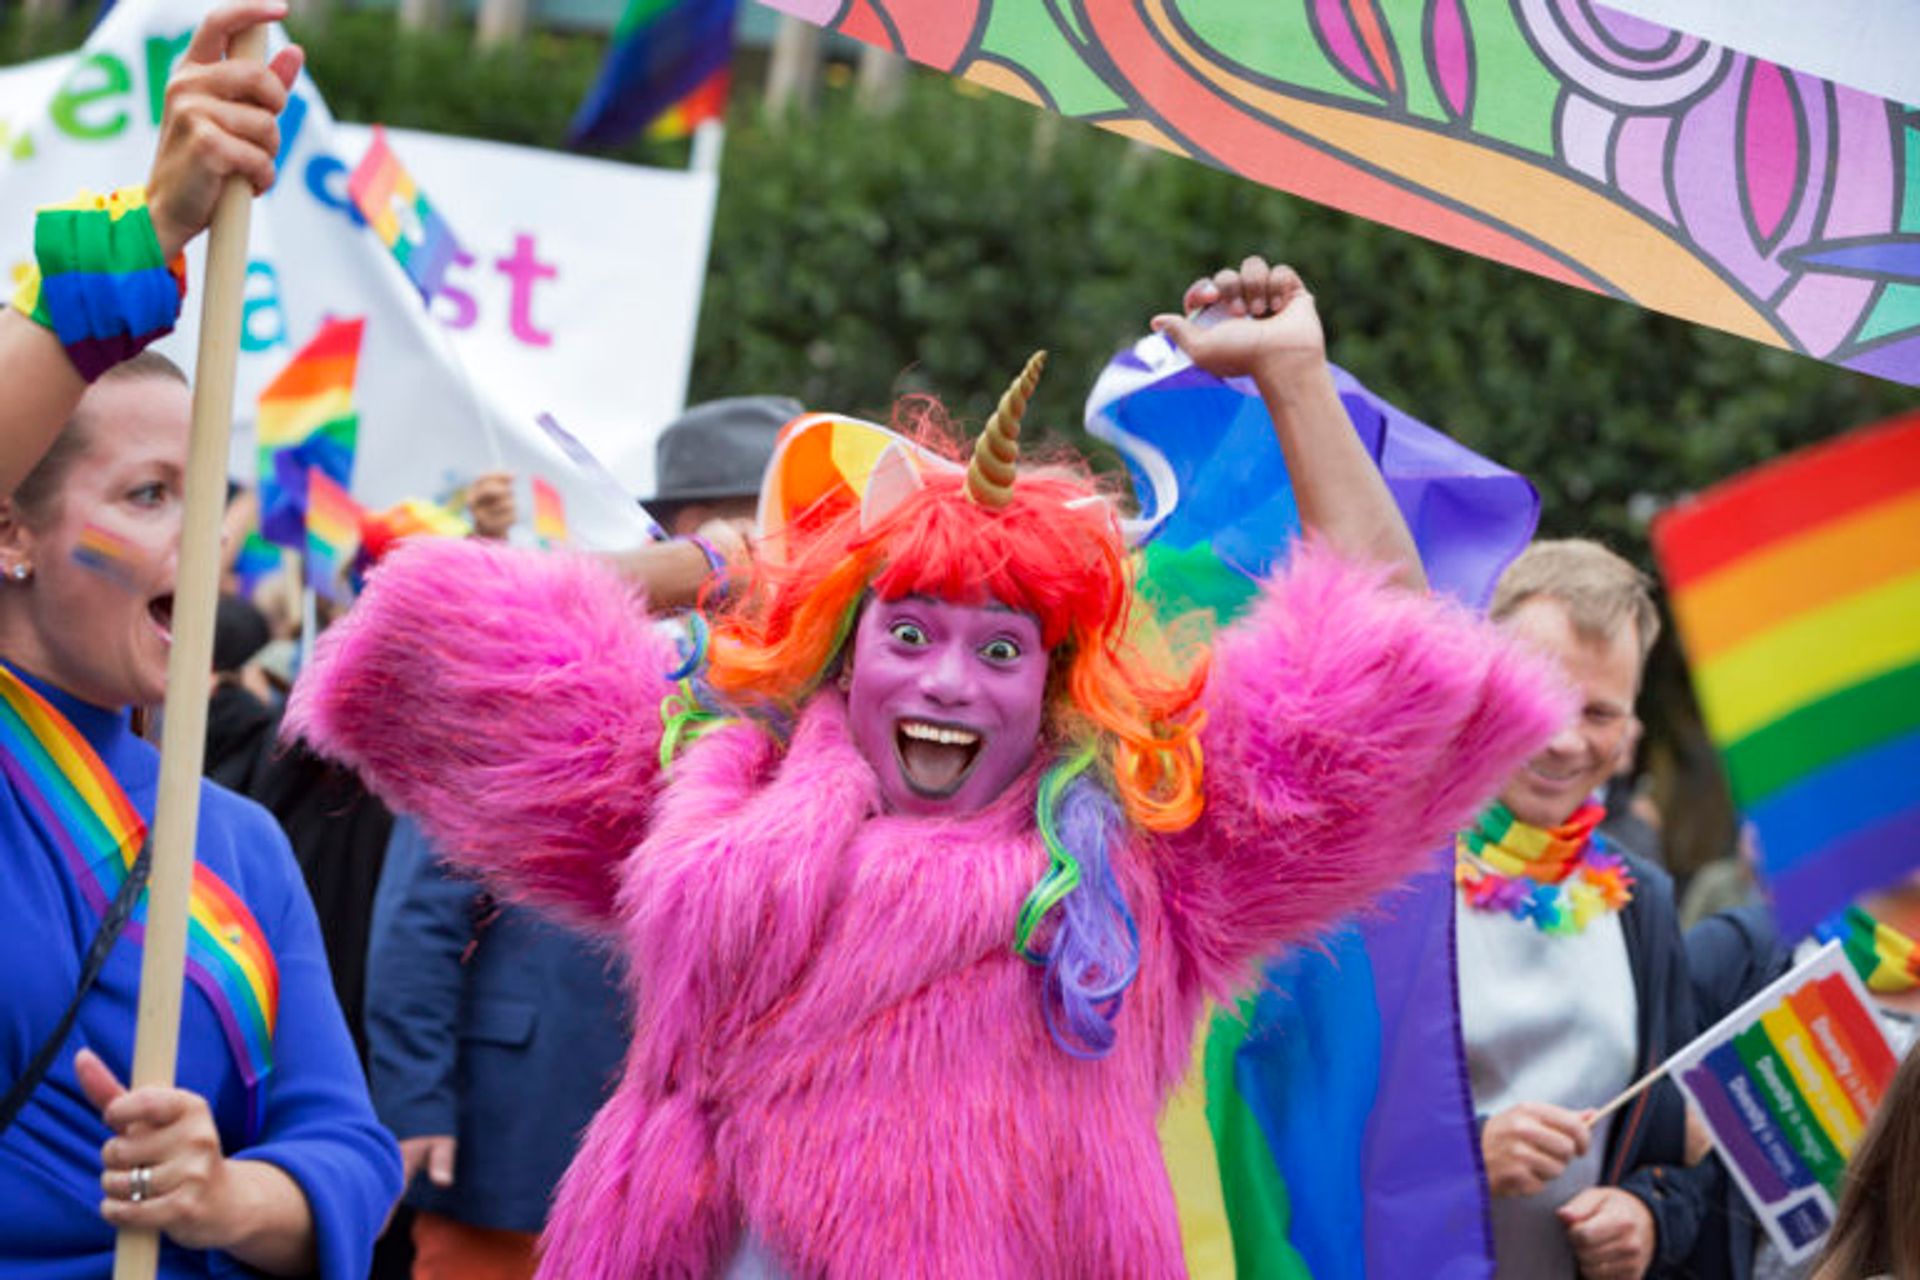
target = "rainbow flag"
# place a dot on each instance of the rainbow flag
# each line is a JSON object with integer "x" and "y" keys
{"x": 1337, "y": 1098}
{"x": 549, "y": 514}
{"x": 333, "y": 534}
{"x": 1796, "y": 591}
{"x": 708, "y": 101}
{"x": 1787, "y": 1084}
{"x": 669, "y": 58}
{"x": 306, "y": 419}
{"x": 87, "y": 815}
{"x": 406, "y": 222}
{"x": 1885, "y": 958}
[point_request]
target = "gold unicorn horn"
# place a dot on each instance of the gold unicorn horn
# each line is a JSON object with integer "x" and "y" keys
{"x": 990, "y": 475}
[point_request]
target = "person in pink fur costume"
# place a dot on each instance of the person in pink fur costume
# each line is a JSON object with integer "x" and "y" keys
{"x": 949, "y": 735}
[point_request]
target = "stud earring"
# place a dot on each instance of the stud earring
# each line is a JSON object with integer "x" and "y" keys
{"x": 21, "y": 572}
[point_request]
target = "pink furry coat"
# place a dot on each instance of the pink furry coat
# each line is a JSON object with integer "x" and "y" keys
{"x": 835, "y": 1046}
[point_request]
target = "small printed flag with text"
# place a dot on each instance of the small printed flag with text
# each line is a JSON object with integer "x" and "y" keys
{"x": 1787, "y": 1084}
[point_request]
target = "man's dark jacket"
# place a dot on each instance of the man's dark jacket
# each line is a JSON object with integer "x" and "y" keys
{"x": 1646, "y": 1147}
{"x": 490, "y": 1024}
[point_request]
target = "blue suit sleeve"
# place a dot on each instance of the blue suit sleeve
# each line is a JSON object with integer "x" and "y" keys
{"x": 422, "y": 922}
{"x": 319, "y": 1124}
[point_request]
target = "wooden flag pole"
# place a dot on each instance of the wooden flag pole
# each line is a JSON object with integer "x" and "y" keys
{"x": 183, "y": 738}
{"x": 1631, "y": 1092}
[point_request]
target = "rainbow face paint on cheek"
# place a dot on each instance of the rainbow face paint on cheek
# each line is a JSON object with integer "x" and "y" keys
{"x": 946, "y": 701}
{"x": 111, "y": 556}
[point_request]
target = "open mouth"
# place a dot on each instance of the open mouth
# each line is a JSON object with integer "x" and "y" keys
{"x": 935, "y": 758}
{"x": 160, "y": 609}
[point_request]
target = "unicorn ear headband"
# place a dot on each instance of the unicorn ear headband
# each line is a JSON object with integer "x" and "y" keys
{"x": 826, "y": 463}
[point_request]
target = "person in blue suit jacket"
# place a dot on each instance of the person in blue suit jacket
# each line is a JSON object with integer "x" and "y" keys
{"x": 493, "y": 1035}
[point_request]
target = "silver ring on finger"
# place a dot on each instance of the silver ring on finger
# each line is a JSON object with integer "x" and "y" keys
{"x": 139, "y": 1183}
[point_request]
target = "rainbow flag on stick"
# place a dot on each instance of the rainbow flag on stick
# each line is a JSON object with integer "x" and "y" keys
{"x": 1796, "y": 590}
{"x": 1787, "y": 1084}
{"x": 549, "y": 514}
{"x": 333, "y": 534}
{"x": 306, "y": 419}
{"x": 411, "y": 228}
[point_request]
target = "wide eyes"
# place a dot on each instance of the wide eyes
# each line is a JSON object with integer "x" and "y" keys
{"x": 1000, "y": 651}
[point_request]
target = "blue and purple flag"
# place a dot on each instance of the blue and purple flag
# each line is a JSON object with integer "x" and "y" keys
{"x": 665, "y": 53}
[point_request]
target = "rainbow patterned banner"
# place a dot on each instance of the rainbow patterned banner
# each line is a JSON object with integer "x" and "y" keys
{"x": 333, "y": 534}
{"x": 411, "y": 228}
{"x": 89, "y": 818}
{"x": 1796, "y": 589}
{"x": 1787, "y": 1084}
{"x": 1563, "y": 137}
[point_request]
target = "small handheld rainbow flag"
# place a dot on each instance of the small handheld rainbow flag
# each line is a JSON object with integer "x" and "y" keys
{"x": 1787, "y": 1084}
{"x": 333, "y": 534}
{"x": 109, "y": 555}
{"x": 306, "y": 419}
{"x": 549, "y": 514}
{"x": 1796, "y": 589}
{"x": 411, "y": 228}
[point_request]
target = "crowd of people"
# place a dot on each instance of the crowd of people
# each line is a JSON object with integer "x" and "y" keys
{"x": 837, "y": 898}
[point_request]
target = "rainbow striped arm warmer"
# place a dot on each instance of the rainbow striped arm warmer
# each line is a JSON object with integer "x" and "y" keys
{"x": 102, "y": 286}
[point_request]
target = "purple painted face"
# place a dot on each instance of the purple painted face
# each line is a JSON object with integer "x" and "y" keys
{"x": 946, "y": 700}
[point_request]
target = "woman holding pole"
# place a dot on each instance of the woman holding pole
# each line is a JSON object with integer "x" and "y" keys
{"x": 267, "y": 1154}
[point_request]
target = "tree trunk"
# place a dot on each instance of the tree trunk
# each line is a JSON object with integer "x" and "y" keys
{"x": 501, "y": 21}
{"x": 46, "y": 10}
{"x": 882, "y": 82}
{"x": 793, "y": 72}
{"x": 423, "y": 15}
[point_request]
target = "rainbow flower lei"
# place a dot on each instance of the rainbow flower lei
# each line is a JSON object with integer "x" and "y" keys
{"x": 1560, "y": 878}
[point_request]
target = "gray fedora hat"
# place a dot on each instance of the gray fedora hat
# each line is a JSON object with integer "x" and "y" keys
{"x": 720, "y": 448}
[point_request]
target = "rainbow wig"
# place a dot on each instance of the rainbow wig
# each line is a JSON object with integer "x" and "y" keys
{"x": 1121, "y": 719}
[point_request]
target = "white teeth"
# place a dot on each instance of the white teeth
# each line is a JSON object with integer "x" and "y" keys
{"x": 935, "y": 733}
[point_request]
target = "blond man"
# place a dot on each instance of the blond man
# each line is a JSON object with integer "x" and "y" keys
{"x": 1572, "y": 976}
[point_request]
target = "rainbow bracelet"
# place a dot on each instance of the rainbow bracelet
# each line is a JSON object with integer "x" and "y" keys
{"x": 102, "y": 285}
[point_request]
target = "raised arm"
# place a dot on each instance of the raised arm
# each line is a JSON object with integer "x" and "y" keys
{"x": 220, "y": 119}
{"x": 1352, "y": 722}
{"x": 509, "y": 700}
{"x": 1260, "y": 322}
{"x": 1351, "y": 728}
